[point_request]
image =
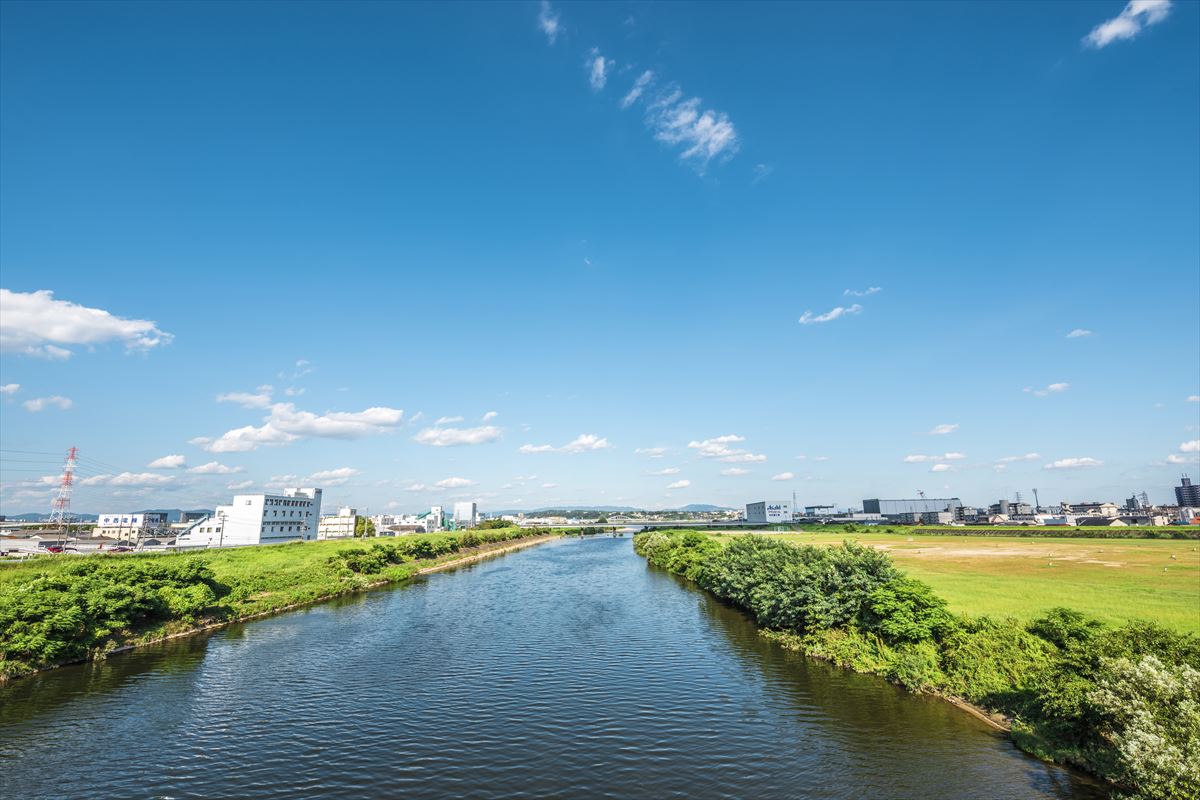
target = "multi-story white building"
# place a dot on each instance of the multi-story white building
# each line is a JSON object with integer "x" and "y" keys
{"x": 769, "y": 512}
{"x": 129, "y": 526}
{"x": 339, "y": 526}
{"x": 464, "y": 515}
{"x": 258, "y": 519}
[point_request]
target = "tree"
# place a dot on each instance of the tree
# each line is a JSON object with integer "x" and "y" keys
{"x": 363, "y": 527}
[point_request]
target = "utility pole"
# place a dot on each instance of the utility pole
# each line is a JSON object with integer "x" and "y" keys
{"x": 221, "y": 529}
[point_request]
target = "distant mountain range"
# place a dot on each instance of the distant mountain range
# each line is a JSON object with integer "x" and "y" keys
{"x": 694, "y": 508}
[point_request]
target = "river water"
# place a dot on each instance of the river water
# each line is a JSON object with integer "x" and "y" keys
{"x": 570, "y": 669}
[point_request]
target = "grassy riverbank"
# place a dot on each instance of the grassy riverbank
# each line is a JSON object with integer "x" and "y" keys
{"x": 1113, "y": 580}
{"x": 60, "y": 609}
{"x": 1120, "y": 701}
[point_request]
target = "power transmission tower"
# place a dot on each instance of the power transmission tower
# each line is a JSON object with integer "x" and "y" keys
{"x": 59, "y": 511}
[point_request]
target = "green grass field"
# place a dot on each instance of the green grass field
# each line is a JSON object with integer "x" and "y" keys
{"x": 1114, "y": 580}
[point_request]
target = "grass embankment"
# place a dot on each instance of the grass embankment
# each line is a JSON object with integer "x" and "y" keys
{"x": 61, "y": 609}
{"x": 1113, "y": 580}
{"x": 1122, "y": 702}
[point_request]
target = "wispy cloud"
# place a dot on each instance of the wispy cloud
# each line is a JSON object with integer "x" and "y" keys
{"x": 128, "y": 479}
{"x": 762, "y": 172}
{"x": 683, "y": 484}
{"x": 808, "y": 318}
{"x": 37, "y": 404}
{"x": 1013, "y": 459}
{"x": 35, "y": 324}
{"x": 211, "y": 468}
{"x": 923, "y": 459}
{"x": 489, "y": 416}
{"x": 583, "y": 443}
{"x": 1193, "y": 398}
{"x": 870, "y": 290}
{"x": 548, "y": 21}
{"x": 1079, "y": 333}
{"x": 664, "y": 471}
{"x": 598, "y": 68}
{"x": 1136, "y": 15}
{"x": 1053, "y": 388}
{"x": 257, "y": 399}
{"x": 454, "y": 483}
{"x": 236, "y": 487}
{"x": 941, "y": 468}
{"x": 10, "y": 388}
{"x": 703, "y": 134}
{"x": 733, "y": 472}
{"x": 651, "y": 452}
{"x": 943, "y": 429}
{"x": 1074, "y": 463}
{"x": 638, "y": 89}
{"x": 447, "y": 420}
{"x": 455, "y": 437}
{"x": 783, "y": 476}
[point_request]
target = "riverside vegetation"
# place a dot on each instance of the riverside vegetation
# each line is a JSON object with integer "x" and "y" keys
{"x": 1121, "y": 702}
{"x": 61, "y": 609}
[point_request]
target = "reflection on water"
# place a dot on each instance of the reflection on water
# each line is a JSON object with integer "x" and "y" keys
{"x": 569, "y": 669}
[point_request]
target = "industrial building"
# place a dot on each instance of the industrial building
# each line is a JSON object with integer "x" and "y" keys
{"x": 339, "y": 526}
{"x": 769, "y": 512}
{"x": 259, "y": 519}
{"x": 129, "y": 526}
{"x": 900, "y": 510}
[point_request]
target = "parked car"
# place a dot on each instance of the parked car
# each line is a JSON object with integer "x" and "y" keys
{"x": 54, "y": 548}
{"x": 119, "y": 549}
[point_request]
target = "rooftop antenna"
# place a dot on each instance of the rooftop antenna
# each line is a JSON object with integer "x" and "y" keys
{"x": 920, "y": 494}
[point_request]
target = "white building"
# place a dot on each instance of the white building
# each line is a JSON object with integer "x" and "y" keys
{"x": 435, "y": 520}
{"x": 769, "y": 512}
{"x": 339, "y": 526}
{"x": 129, "y": 526}
{"x": 464, "y": 515}
{"x": 259, "y": 519}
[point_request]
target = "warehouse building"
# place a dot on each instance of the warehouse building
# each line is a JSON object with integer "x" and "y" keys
{"x": 258, "y": 519}
{"x": 769, "y": 512}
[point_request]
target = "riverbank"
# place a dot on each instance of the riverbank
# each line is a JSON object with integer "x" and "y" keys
{"x": 61, "y": 610}
{"x": 1076, "y": 691}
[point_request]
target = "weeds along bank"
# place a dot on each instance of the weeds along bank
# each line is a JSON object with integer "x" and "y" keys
{"x": 56, "y": 609}
{"x": 1121, "y": 702}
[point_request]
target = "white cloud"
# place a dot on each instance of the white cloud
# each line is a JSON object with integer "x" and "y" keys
{"x": 1190, "y": 447}
{"x": 583, "y": 443}
{"x": 548, "y": 21}
{"x": 639, "y": 86}
{"x": 683, "y": 484}
{"x": 665, "y": 471}
{"x": 213, "y": 468}
{"x": 719, "y": 449}
{"x": 733, "y": 472}
{"x": 10, "y": 388}
{"x": 943, "y": 429}
{"x": 807, "y": 318}
{"x": 285, "y": 424}
{"x": 870, "y": 290}
{"x": 447, "y": 420}
{"x": 1012, "y": 459}
{"x": 922, "y": 459}
{"x": 651, "y": 452}
{"x": 1053, "y": 388}
{"x": 941, "y": 468}
{"x": 235, "y": 487}
{"x": 783, "y": 476}
{"x": 703, "y": 135}
{"x": 454, "y": 483}
{"x": 1136, "y": 15}
{"x": 454, "y": 437}
{"x": 35, "y": 324}
{"x": 128, "y": 479}
{"x": 332, "y": 477}
{"x": 1073, "y": 463}
{"x": 1193, "y": 398}
{"x": 598, "y": 68}
{"x": 259, "y": 399}
{"x": 489, "y": 416}
{"x": 1175, "y": 458}
{"x": 292, "y": 391}
{"x": 41, "y": 403}
{"x": 1079, "y": 333}
{"x": 168, "y": 462}
{"x": 416, "y": 487}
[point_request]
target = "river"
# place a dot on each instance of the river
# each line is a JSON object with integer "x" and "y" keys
{"x": 570, "y": 669}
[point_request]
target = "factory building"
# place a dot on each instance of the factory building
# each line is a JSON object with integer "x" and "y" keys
{"x": 339, "y": 526}
{"x": 901, "y": 511}
{"x": 769, "y": 512}
{"x": 258, "y": 519}
{"x": 129, "y": 526}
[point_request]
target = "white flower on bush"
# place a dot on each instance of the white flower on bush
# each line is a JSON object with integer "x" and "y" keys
{"x": 1154, "y": 725}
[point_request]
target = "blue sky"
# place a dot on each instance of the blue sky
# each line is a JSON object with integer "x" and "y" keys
{"x": 264, "y": 244}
